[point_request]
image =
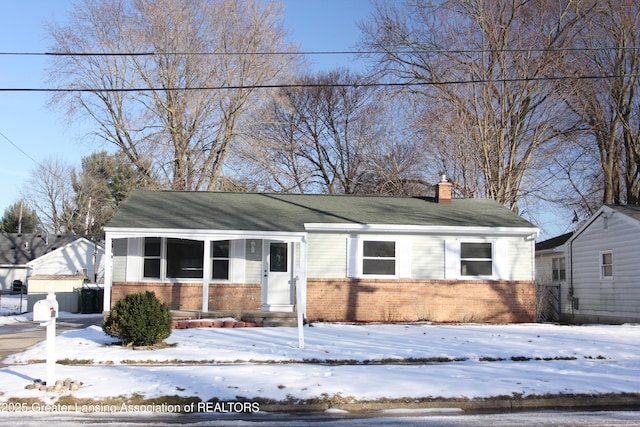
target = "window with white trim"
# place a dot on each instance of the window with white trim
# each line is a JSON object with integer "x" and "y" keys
{"x": 184, "y": 259}
{"x": 152, "y": 256}
{"x": 606, "y": 265}
{"x": 476, "y": 259}
{"x": 220, "y": 260}
{"x": 378, "y": 258}
{"x": 558, "y": 269}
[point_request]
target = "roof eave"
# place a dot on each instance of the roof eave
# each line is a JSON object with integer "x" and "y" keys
{"x": 423, "y": 229}
{"x": 120, "y": 232}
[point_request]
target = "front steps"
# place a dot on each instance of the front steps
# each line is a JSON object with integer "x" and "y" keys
{"x": 198, "y": 319}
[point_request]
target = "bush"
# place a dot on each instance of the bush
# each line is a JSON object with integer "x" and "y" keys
{"x": 139, "y": 319}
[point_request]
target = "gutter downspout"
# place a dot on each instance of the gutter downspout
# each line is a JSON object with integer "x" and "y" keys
{"x": 571, "y": 278}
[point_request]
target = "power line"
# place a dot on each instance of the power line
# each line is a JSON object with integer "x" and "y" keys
{"x": 330, "y": 52}
{"x": 321, "y": 85}
{"x": 17, "y": 147}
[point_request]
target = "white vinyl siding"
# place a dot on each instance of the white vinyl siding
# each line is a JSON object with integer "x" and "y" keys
{"x": 326, "y": 256}
{"x": 134, "y": 259}
{"x": 617, "y": 296}
{"x": 80, "y": 256}
{"x": 237, "y": 265}
{"x": 253, "y": 261}
{"x": 421, "y": 256}
{"x": 119, "y": 267}
{"x": 427, "y": 257}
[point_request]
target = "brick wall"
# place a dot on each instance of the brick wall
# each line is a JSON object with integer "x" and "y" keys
{"x": 188, "y": 296}
{"x": 178, "y": 296}
{"x": 234, "y": 297}
{"x": 367, "y": 300}
{"x": 370, "y": 300}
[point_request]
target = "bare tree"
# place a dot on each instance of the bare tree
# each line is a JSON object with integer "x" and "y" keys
{"x": 394, "y": 164}
{"x": 315, "y": 137}
{"x": 607, "y": 107}
{"x": 197, "y": 63}
{"x": 332, "y": 133}
{"x": 480, "y": 69}
{"x": 50, "y": 194}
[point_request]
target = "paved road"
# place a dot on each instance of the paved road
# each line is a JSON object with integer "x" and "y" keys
{"x": 509, "y": 419}
{"x": 17, "y": 337}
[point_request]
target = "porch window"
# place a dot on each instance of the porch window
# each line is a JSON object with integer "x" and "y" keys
{"x": 220, "y": 260}
{"x": 379, "y": 258}
{"x": 184, "y": 259}
{"x": 606, "y": 265}
{"x": 476, "y": 259}
{"x": 151, "y": 269}
{"x": 559, "y": 270}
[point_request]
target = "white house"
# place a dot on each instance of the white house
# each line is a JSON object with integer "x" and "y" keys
{"x": 350, "y": 258}
{"x": 603, "y": 268}
{"x": 551, "y": 276}
{"x": 27, "y": 254}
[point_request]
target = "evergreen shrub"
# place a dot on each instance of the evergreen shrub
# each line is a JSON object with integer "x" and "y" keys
{"x": 139, "y": 320}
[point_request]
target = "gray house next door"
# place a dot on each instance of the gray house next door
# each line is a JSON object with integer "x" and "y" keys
{"x": 277, "y": 280}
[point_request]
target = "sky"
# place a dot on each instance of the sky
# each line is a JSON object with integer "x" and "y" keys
{"x": 32, "y": 133}
{"x": 482, "y": 361}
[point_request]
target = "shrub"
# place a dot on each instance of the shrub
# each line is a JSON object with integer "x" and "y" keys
{"x": 139, "y": 319}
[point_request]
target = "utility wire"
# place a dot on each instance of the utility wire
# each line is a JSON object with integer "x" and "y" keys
{"x": 330, "y": 52}
{"x": 17, "y": 147}
{"x": 321, "y": 85}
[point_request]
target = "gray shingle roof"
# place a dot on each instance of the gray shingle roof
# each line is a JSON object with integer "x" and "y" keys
{"x": 632, "y": 211}
{"x": 289, "y": 212}
{"x": 19, "y": 249}
{"x": 553, "y": 242}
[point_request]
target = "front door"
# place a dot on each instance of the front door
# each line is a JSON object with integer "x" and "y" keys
{"x": 277, "y": 288}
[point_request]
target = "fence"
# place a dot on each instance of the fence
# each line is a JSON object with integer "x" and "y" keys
{"x": 548, "y": 303}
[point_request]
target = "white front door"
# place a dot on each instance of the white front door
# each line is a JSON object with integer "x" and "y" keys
{"x": 277, "y": 283}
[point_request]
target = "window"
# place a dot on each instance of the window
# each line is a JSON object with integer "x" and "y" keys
{"x": 559, "y": 271}
{"x": 278, "y": 257}
{"x": 220, "y": 260}
{"x": 151, "y": 269}
{"x": 379, "y": 257}
{"x": 476, "y": 259}
{"x": 165, "y": 258}
{"x": 184, "y": 258}
{"x": 606, "y": 265}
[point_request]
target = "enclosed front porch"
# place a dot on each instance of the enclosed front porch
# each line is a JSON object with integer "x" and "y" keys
{"x": 209, "y": 273}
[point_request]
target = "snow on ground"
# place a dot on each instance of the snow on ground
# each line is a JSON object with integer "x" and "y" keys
{"x": 348, "y": 360}
{"x": 11, "y": 305}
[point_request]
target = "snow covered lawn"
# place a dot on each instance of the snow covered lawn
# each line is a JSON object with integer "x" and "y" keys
{"x": 350, "y": 361}
{"x": 12, "y": 304}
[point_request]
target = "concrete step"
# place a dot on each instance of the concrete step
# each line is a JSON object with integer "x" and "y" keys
{"x": 263, "y": 318}
{"x": 271, "y": 318}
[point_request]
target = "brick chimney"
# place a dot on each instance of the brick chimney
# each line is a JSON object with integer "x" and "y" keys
{"x": 443, "y": 191}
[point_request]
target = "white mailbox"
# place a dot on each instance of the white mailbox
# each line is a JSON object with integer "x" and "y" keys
{"x": 45, "y": 310}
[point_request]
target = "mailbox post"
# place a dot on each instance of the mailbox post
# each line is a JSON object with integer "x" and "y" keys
{"x": 45, "y": 311}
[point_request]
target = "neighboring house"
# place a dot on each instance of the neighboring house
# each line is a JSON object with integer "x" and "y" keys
{"x": 27, "y": 254}
{"x": 551, "y": 276}
{"x": 603, "y": 268}
{"x": 351, "y": 258}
